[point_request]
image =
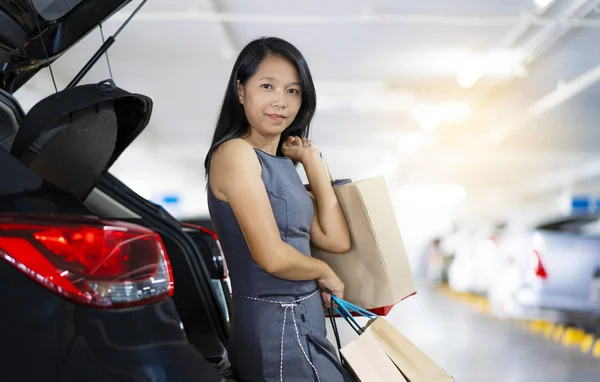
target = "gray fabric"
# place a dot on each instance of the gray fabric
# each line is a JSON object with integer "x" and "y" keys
{"x": 256, "y": 325}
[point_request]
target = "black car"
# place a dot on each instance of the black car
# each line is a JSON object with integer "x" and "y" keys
{"x": 97, "y": 283}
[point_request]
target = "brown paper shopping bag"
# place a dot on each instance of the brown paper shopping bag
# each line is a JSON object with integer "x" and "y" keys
{"x": 369, "y": 362}
{"x": 376, "y": 271}
{"x": 415, "y": 365}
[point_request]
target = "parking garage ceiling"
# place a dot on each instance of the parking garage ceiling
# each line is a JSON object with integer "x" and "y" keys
{"x": 495, "y": 99}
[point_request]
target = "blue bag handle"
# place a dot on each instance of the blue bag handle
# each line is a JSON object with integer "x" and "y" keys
{"x": 343, "y": 309}
{"x": 349, "y": 306}
{"x": 350, "y": 320}
{"x": 343, "y": 312}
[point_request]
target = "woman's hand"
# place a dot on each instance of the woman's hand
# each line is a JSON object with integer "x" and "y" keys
{"x": 331, "y": 284}
{"x": 299, "y": 149}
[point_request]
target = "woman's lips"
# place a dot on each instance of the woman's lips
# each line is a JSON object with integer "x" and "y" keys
{"x": 276, "y": 117}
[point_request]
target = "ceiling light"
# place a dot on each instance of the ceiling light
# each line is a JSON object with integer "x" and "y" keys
{"x": 472, "y": 72}
{"x": 431, "y": 116}
{"x": 497, "y": 64}
{"x": 542, "y": 3}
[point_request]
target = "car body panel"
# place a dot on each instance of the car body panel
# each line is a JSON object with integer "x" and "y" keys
{"x": 68, "y": 342}
{"x": 570, "y": 260}
{"x": 65, "y": 341}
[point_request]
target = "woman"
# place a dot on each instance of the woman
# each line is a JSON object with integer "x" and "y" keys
{"x": 266, "y": 220}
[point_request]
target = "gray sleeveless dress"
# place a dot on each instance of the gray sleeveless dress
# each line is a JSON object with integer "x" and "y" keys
{"x": 278, "y": 326}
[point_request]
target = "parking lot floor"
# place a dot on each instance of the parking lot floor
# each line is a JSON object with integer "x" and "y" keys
{"x": 474, "y": 347}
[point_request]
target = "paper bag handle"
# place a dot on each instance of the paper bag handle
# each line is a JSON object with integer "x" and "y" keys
{"x": 343, "y": 309}
{"x": 350, "y": 320}
{"x": 350, "y": 306}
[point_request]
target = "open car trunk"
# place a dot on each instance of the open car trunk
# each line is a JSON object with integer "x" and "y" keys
{"x": 35, "y": 29}
{"x": 68, "y": 141}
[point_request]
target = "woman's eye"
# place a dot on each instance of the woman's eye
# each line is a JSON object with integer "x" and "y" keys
{"x": 267, "y": 86}
{"x": 294, "y": 91}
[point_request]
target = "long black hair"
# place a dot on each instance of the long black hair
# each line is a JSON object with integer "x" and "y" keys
{"x": 232, "y": 122}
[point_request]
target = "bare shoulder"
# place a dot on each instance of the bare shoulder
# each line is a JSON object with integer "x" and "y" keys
{"x": 235, "y": 160}
{"x": 235, "y": 155}
{"x": 235, "y": 145}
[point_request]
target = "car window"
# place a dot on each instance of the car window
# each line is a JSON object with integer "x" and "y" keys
{"x": 584, "y": 225}
{"x": 54, "y": 9}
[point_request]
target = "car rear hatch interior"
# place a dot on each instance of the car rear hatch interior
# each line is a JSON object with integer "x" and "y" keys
{"x": 70, "y": 139}
{"x": 35, "y": 33}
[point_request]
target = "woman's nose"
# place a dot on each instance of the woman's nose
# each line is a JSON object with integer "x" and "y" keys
{"x": 279, "y": 100}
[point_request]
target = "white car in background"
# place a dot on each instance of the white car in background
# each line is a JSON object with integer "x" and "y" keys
{"x": 549, "y": 272}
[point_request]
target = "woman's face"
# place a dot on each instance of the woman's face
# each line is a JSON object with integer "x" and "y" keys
{"x": 272, "y": 96}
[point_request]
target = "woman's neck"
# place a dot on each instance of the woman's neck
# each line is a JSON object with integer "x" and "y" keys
{"x": 266, "y": 144}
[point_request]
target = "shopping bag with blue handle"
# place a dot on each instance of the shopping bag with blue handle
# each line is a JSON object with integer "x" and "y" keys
{"x": 363, "y": 355}
{"x": 376, "y": 271}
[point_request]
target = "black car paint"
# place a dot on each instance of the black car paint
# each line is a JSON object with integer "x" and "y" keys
{"x": 70, "y": 342}
{"x": 26, "y": 38}
{"x": 48, "y": 338}
{"x": 197, "y": 305}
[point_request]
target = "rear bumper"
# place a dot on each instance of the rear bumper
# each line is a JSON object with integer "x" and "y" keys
{"x": 530, "y": 297}
{"x": 48, "y": 338}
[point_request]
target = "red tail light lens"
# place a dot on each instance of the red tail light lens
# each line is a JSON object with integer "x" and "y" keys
{"x": 91, "y": 261}
{"x": 538, "y": 266}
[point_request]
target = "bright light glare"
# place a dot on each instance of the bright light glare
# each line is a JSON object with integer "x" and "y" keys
{"x": 352, "y": 88}
{"x": 431, "y": 116}
{"x": 542, "y": 3}
{"x": 498, "y": 64}
{"x": 432, "y": 195}
{"x": 365, "y": 103}
{"x": 409, "y": 143}
{"x": 387, "y": 168}
{"x": 390, "y": 101}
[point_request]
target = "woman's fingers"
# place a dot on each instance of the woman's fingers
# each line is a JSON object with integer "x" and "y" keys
{"x": 326, "y": 299}
{"x": 295, "y": 141}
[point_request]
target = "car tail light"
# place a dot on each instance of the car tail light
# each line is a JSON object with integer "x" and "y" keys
{"x": 538, "y": 266}
{"x": 91, "y": 261}
{"x": 220, "y": 257}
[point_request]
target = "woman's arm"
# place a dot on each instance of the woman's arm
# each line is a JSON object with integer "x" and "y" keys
{"x": 235, "y": 176}
{"x": 329, "y": 229}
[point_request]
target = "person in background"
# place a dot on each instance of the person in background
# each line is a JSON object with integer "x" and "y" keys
{"x": 435, "y": 263}
{"x": 267, "y": 220}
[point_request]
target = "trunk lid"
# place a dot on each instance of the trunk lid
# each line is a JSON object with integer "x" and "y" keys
{"x": 35, "y": 29}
